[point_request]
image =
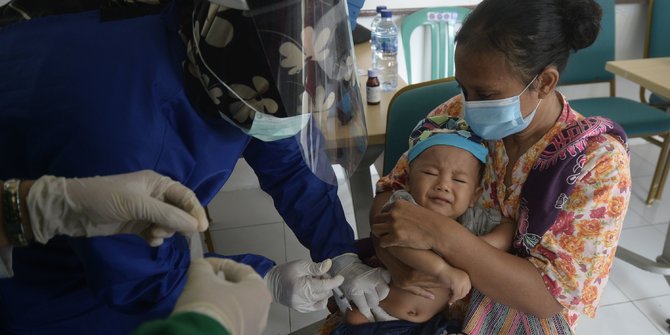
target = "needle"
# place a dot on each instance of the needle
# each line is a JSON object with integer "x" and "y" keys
{"x": 339, "y": 295}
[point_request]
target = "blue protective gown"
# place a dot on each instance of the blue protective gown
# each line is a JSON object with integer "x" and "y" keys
{"x": 79, "y": 98}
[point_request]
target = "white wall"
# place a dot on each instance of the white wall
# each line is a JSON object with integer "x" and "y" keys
{"x": 630, "y": 31}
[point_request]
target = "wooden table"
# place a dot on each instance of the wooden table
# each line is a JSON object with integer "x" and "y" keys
{"x": 375, "y": 115}
{"x": 375, "y": 120}
{"x": 650, "y": 73}
{"x": 653, "y": 74}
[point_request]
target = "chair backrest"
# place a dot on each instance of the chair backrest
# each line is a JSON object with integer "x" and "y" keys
{"x": 657, "y": 43}
{"x": 441, "y": 25}
{"x": 588, "y": 65}
{"x": 409, "y": 105}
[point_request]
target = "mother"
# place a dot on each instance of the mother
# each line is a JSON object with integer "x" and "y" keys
{"x": 563, "y": 178}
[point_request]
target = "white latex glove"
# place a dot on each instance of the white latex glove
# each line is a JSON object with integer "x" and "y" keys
{"x": 144, "y": 203}
{"x": 301, "y": 284}
{"x": 363, "y": 285}
{"x": 229, "y": 292}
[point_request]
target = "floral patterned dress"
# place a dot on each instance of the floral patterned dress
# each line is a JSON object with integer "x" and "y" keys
{"x": 575, "y": 255}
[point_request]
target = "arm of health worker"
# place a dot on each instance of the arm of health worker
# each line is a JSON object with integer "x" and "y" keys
{"x": 312, "y": 209}
{"x": 309, "y": 206}
{"x": 143, "y": 203}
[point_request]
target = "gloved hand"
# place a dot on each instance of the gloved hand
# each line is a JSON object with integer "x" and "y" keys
{"x": 301, "y": 284}
{"x": 144, "y": 203}
{"x": 227, "y": 291}
{"x": 363, "y": 285}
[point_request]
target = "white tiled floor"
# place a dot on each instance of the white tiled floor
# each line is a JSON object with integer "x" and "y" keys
{"x": 634, "y": 302}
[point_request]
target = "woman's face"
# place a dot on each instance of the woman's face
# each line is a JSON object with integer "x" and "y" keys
{"x": 445, "y": 179}
{"x": 484, "y": 75}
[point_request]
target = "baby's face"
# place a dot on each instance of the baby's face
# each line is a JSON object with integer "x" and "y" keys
{"x": 445, "y": 179}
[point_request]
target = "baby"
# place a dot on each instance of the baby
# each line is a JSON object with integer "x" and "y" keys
{"x": 446, "y": 167}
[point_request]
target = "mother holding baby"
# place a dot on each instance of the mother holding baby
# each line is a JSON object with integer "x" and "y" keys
{"x": 563, "y": 179}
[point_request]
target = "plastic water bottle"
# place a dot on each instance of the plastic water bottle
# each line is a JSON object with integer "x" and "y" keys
{"x": 373, "y": 26}
{"x": 386, "y": 51}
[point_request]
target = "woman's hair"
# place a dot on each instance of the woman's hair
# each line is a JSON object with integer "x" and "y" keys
{"x": 532, "y": 34}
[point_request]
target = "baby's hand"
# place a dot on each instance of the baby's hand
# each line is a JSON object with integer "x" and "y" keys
{"x": 460, "y": 285}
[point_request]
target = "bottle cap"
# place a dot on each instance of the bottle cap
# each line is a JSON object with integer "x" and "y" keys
{"x": 379, "y": 8}
{"x": 386, "y": 13}
{"x": 372, "y": 72}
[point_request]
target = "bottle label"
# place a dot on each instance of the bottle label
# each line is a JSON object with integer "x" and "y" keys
{"x": 387, "y": 44}
{"x": 374, "y": 94}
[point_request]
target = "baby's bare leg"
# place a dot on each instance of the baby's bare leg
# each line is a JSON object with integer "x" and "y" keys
{"x": 355, "y": 317}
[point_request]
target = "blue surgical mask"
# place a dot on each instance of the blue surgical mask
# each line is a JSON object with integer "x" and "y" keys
{"x": 496, "y": 119}
{"x": 268, "y": 128}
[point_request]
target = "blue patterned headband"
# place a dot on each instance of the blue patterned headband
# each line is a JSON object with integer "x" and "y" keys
{"x": 445, "y": 130}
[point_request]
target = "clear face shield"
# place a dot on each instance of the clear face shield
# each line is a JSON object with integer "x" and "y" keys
{"x": 280, "y": 69}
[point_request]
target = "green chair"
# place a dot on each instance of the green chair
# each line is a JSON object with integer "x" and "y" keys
{"x": 587, "y": 66}
{"x": 409, "y": 105}
{"x": 657, "y": 44}
{"x": 442, "y": 23}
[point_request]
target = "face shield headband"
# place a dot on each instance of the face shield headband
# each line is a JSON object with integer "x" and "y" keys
{"x": 277, "y": 70}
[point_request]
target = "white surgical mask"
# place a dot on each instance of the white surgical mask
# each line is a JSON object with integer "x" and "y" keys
{"x": 496, "y": 119}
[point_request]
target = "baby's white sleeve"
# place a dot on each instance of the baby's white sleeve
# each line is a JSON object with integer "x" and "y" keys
{"x": 397, "y": 195}
{"x": 480, "y": 220}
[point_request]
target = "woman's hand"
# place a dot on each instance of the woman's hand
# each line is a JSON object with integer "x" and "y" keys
{"x": 405, "y": 225}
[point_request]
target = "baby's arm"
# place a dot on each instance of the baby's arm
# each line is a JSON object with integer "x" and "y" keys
{"x": 428, "y": 262}
{"x": 425, "y": 261}
{"x": 490, "y": 225}
{"x": 501, "y": 236}
{"x": 405, "y": 276}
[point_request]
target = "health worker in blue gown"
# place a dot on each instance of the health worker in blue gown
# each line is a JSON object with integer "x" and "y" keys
{"x": 184, "y": 93}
